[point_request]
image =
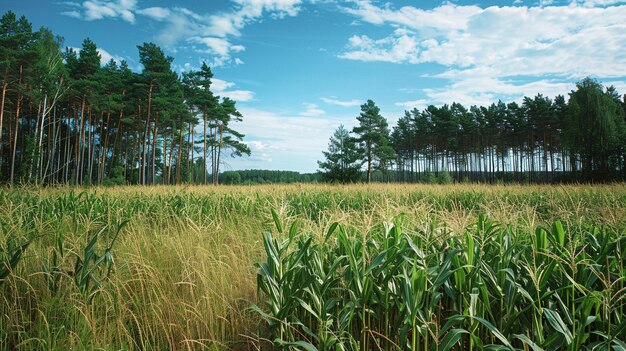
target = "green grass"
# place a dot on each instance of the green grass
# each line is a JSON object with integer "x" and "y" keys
{"x": 410, "y": 267}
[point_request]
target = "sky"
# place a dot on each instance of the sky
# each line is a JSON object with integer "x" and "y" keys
{"x": 300, "y": 68}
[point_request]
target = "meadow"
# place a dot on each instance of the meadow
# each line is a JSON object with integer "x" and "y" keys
{"x": 313, "y": 267}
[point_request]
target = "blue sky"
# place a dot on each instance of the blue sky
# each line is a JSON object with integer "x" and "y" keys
{"x": 299, "y": 68}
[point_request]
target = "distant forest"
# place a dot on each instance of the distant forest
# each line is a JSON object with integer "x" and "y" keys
{"x": 542, "y": 140}
{"x": 67, "y": 119}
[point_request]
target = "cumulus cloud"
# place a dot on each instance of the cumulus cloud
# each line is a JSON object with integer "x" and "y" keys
{"x": 402, "y": 46}
{"x": 486, "y": 51}
{"x": 222, "y": 88}
{"x": 156, "y": 13}
{"x": 99, "y": 9}
{"x": 504, "y": 40}
{"x": 209, "y": 33}
{"x": 214, "y": 33}
{"x": 334, "y": 101}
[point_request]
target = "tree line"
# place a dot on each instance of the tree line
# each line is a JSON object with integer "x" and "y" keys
{"x": 582, "y": 138}
{"x": 65, "y": 118}
{"x": 262, "y": 176}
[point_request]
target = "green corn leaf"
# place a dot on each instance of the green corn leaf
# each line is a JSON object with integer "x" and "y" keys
{"x": 494, "y": 331}
{"x": 279, "y": 226}
{"x": 559, "y": 233}
{"x": 526, "y": 340}
{"x": 302, "y": 344}
{"x": 330, "y": 231}
{"x": 451, "y": 339}
{"x": 376, "y": 262}
{"x": 557, "y": 323}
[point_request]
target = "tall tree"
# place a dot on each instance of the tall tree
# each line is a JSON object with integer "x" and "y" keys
{"x": 342, "y": 162}
{"x": 158, "y": 77}
{"x": 595, "y": 128}
{"x": 201, "y": 100}
{"x": 372, "y": 138}
{"x": 226, "y": 137}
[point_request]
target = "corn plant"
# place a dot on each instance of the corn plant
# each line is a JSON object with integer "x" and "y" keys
{"x": 427, "y": 289}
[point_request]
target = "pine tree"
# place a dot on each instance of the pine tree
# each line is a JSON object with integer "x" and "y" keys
{"x": 372, "y": 138}
{"x": 342, "y": 162}
{"x": 226, "y": 137}
{"x": 595, "y": 129}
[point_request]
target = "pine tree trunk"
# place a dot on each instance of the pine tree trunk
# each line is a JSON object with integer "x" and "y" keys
{"x": 143, "y": 176}
{"x": 180, "y": 155}
{"x": 15, "y": 136}
{"x": 154, "y": 146}
{"x": 87, "y": 134}
{"x": 213, "y": 147}
{"x": 68, "y": 152}
{"x": 104, "y": 149}
{"x": 118, "y": 131}
{"x": 32, "y": 154}
{"x": 79, "y": 158}
{"x": 4, "y": 91}
{"x": 192, "y": 172}
{"x": 219, "y": 153}
{"x": 52, "y": 141}
{"x": 169, "y": 167}
{"x": 164, "y": 158}
{"x": 204, "y": 139}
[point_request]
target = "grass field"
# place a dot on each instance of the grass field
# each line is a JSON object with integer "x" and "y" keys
{"x": 407, "y": 267}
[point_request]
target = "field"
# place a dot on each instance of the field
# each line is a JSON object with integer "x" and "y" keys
{"x": 414, "y": 267}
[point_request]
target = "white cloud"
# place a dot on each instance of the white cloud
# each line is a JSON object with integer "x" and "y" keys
{"x": 400, "y": 47}
{"x": 238, "y": 95}
{"x": 484, "y": 91}
{"x": 291, "y": 142}
{"x": 221, "y": 87}
{"x": 214, "y": 32}
{"x": 600, "y": 3}
{"x": 156, "y": 13}
{"x": 74, "y": 14}
{"x": 350, "y": 103}
{"x": 498, "y": 52}
{"x": 419, "y": 104}
{"x": 105, "y": 56}
{"x": 258, "y": 145}
{"x": 442, "y": 18}
{"x": 99, "y": 9}
{"x": 312, "y": 110}
{"x": 217, "y": 46}
{"x": 183, "y": 26}
{"x": 507, "y": 41}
